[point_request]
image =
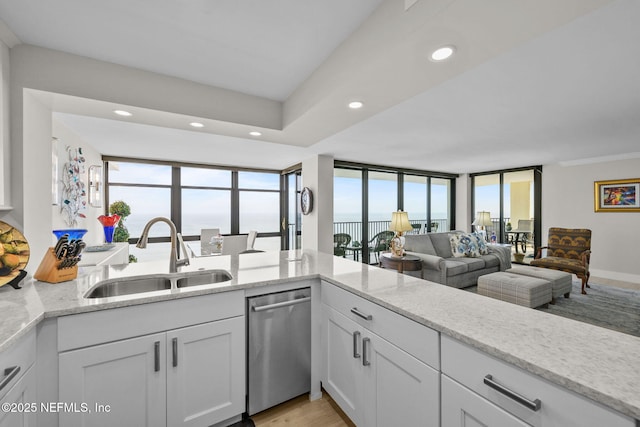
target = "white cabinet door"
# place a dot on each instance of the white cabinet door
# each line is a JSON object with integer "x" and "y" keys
{"x": 129, "y": 376}
{"x": 374, "y": 382}
{"x": 464, "y": 408}
{"x": 401, "y": 390}
{"x": 342, "y": 373}
{"x": 206, "y": 373}
{"x": 23, "y": 395}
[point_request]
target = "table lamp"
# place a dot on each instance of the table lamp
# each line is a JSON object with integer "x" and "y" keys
{"x": 483, "y": 220}
{"x": 399, "y": 223}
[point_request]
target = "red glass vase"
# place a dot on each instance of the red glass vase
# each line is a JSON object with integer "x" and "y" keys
{"x": 109, "y": 223}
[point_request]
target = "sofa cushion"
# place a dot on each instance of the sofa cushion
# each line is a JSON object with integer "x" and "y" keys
{"x": 441, "y": 244}
{"x": 490, "y": 260}
{"x": 473, "y": 264}
{"x": 455, "y": 267}
{"x": 419, "y": 243}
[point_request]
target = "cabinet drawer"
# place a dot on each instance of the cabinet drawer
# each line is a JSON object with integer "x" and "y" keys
{"x": 416, "y": 339}
{"x": 558, "y": 406}
{"x": 86, "y": 329}
{"x": 16, "y": 360}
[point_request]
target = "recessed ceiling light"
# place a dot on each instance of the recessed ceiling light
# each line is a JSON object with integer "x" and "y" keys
{"x": 442, "y": 53}
{"x": 255, "y": 133}
{"x": 123, "y": 113}
{"x": 196, "y": 124}
{"x": 354, "y": 105}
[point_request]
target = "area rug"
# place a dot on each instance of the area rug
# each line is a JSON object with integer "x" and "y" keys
{"x": 605, "y": 306}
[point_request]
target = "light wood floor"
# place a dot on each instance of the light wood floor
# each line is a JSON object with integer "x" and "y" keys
{"x": 301, "y": 412}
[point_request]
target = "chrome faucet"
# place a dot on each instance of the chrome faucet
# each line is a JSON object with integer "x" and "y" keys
{"x": 176, "y": 237}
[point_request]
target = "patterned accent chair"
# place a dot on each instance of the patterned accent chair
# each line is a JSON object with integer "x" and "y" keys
{"x": 568, "y": 249}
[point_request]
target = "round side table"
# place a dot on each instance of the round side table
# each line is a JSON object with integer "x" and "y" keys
{"x": 405, "y": 263}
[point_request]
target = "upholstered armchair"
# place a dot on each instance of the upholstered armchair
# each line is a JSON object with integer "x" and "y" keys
{"x": 568, "y": 249}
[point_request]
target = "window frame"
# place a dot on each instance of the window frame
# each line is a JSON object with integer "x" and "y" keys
{"x": 176, "y": 188}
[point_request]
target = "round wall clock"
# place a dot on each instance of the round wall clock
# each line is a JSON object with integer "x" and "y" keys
{"x": 306, "y": 200}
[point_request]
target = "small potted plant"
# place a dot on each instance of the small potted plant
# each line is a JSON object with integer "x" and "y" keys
{"x": 508, "y": 227}
{"x": 120, "y": 208}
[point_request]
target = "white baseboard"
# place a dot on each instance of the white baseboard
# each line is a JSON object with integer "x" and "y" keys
{"x": 614, "y": 275}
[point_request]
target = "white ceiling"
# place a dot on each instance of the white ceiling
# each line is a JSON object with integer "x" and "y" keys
{"x": 533, "y": 82}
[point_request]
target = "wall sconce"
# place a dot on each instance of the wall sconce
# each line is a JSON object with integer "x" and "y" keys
{"x": 95, "y": 186}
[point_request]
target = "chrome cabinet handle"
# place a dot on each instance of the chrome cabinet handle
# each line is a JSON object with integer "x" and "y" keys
{"x": 365, "y": 359}
{"x": 280, "y": 304}
{"x": 9, "y": 374}
{"x": 156, "y": 356}
{"x": 533, "y": 405}
{"x": 360, "y": 314}
{"x": 174, "y": 344}
{"x": 356, "y": 338}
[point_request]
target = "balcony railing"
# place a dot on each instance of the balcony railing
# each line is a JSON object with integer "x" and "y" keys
{"x": 354, "y": 229}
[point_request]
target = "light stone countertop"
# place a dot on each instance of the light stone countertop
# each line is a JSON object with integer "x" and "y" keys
{"x": 597, "y": 363}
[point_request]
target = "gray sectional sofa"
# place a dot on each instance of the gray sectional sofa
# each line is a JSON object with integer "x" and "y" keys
{"x": 439, "y": 265}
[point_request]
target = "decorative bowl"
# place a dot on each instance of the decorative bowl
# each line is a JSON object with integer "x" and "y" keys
{"x": 74, "y": 233}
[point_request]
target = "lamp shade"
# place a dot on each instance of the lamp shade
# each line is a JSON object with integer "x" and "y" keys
{"x": 400, "y": 222}
{"x": 483, "y": 218}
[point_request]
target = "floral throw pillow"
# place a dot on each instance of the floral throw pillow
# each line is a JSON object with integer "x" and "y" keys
{"x": 482, "y": 243}
{"x": 468, "y": 245}
{"x": 458, "y": 245}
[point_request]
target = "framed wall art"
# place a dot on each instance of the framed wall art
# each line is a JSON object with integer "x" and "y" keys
{"x": 618, "y": 195}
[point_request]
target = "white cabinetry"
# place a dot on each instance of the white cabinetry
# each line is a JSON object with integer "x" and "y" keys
{"x": 18, "y": 384}
{"x": 377, "y": 382}
{"x": 121, "y": 377}
{"x": 191, "y": 376}
{"x": 479, "y": 388}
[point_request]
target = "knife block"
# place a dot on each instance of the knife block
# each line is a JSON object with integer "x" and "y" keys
{"x": 49, "y": 271}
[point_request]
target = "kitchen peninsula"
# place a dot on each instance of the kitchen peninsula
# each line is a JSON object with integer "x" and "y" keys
{"x": 580, "y": 362}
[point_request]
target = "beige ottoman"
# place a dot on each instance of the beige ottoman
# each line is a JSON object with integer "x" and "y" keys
{"x": 515, "y": 288}
{"x": 560, "y": 281}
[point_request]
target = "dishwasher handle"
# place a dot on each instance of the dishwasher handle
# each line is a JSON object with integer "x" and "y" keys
{"x": 280, "y": 304}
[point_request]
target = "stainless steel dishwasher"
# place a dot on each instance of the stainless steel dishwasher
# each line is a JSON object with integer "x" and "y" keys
{"x": 279, "y": 348}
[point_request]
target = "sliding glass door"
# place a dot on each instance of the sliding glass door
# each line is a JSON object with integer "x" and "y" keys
{"x": 365, "y": 197}
{"x": 511, "y": 199}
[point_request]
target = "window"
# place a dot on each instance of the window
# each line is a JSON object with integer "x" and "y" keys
{"x": 510, "y": 196}
{"x": 259, "y": 201}
{"x": 195, "y": 197}
{"x": 365, "y": 196}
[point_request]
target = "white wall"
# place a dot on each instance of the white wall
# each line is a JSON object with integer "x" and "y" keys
{"x": 66, "y": 137}
{"x": 35, "y": 174}
{"x": 4, "y": 126}
{"x": 568, "y": 201}
{"x": 463, "y": 203}
{"x": 317, "y": 226}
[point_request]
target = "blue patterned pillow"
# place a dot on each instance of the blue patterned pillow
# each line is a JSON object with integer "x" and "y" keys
{"x": 483, "y": 249}
{"x": 458, "y": 246}
{"x": 468, "y": 245}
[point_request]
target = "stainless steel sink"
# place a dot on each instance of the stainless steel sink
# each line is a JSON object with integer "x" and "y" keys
{"x": 204, "y": 278}
{"x": 137, "y": 285}
{"x": 118, "y": 287}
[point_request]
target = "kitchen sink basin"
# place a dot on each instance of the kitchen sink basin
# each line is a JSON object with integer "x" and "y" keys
{"x": 204, "y": 278}
{"x": 118, "y": 287}
{"x": 138, "y": 285}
